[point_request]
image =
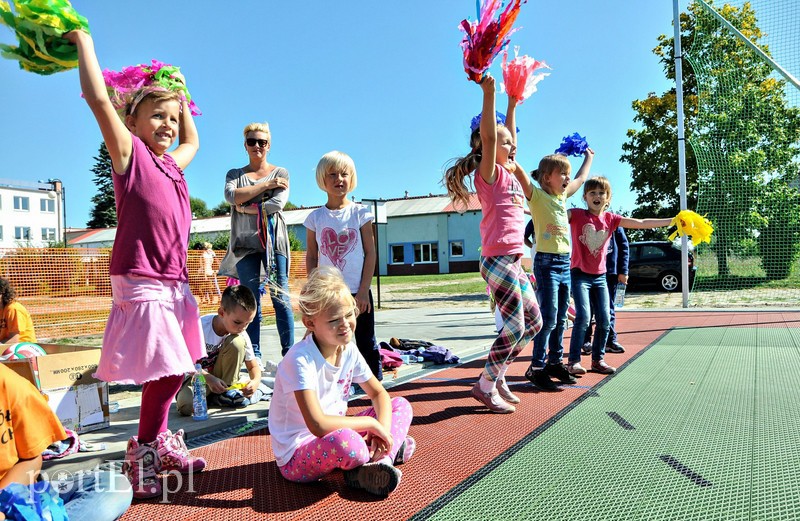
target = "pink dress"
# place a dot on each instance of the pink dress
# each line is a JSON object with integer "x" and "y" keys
{"x": 154, "y": 328}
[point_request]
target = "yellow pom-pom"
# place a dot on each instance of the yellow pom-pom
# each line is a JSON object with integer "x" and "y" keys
{"x": 692, "y": 225}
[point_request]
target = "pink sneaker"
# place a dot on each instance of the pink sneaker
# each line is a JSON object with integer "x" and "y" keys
{"x": 141, "y": 467}
{"x": 406, "y": 450}
{"x": 600, "y": 366}
{"x": 174, "y": 454}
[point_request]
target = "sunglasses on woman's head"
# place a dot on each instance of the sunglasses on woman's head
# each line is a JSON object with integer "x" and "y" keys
{"x": 251, "y": 142}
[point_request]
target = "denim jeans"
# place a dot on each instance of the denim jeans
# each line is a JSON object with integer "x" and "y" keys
{"x": 589, "y": 292}
{"x": 611, "y": 282}
{"x": 96, "y": 495}
{"x": 249, "y": 269}
{"x": 552, "y": 291}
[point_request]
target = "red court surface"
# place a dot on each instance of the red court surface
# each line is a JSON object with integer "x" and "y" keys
{"x": 456, "y": 436}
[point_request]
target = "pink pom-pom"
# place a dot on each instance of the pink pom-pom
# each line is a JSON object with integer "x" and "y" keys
{"x": 520, "y": 76}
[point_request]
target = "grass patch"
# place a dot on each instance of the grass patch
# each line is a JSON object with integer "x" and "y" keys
{"x": 401, "y": 280}
{"x": 456, "y": 288}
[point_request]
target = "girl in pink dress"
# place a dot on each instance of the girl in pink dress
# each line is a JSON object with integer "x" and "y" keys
{"x": 153, "y": 335}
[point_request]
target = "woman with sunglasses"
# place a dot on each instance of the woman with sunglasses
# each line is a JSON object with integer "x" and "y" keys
{"x": 257, "y": 194}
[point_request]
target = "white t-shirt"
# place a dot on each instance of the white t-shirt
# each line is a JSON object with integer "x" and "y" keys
{"x": 339, "y": 239}
{"x": 302, "y": 368}
{"x": 214, "y": 342}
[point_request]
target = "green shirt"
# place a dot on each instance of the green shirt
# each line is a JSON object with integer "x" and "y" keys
{"x": 549, "y": 214}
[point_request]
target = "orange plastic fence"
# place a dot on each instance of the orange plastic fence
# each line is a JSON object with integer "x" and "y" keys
{"x": 68, "y": 290}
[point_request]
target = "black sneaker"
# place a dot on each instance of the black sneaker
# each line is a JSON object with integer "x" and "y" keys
{"x": 615, "y": 347}
{"x": 559, "y": 372}
{"x": 540, "y": 379}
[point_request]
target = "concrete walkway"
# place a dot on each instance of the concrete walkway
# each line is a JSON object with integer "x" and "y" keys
{"x": 466, "y": 331}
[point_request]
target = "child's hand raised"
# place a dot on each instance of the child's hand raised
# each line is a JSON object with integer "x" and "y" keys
{"x": 487, "y": 84}
{"x": 588, "y": 152}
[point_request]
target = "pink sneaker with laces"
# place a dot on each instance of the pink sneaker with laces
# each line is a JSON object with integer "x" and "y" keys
{"x": 175, "y": 455}
{"x": 141, "y": 467}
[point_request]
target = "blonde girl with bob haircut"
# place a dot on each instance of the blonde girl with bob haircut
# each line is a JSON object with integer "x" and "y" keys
{"x": 336, "y": 161}
{"x": 307, "y": 420}
{"x": 497, "y": 177}
{"x": 339, "y": 234}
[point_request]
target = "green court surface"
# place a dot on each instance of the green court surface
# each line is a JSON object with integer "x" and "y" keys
{"x": 703, "y": 424}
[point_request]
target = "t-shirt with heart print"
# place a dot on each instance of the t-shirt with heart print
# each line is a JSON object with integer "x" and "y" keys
{"x": 338, "y": 234}
{"x": 590, "y": 236}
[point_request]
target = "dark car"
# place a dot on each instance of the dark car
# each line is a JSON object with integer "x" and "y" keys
{"x": 657, "y": 263}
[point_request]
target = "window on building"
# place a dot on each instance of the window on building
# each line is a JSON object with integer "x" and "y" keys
{"x": 398, "y": 254}
{"x": 22, "y": 233}
{"x": 48, "y": 234}
{"x": 21, "y": 203}
{"x": 426, "y": 252}
{"x": 457, "y": 249}
{"x": 47, "y": 205}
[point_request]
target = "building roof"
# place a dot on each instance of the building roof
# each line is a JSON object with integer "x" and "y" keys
{"x": 400, "y": 207}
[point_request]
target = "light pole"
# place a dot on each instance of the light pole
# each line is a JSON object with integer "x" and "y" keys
{"x": 58, "y": 188}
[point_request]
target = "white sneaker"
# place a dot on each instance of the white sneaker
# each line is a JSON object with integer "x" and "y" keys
{"x": 576, "y": 368}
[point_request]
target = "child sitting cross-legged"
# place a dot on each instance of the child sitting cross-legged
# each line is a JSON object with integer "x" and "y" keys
{"x": 311, "y": 433}
{"x": 227, "y": 346}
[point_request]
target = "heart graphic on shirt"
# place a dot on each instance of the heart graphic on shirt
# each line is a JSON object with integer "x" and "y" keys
{"x": 593, "y": 239}
{"x": 336, "y": 246}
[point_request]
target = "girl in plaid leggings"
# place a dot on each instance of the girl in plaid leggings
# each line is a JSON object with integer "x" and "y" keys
{"x": 498, "y": 179}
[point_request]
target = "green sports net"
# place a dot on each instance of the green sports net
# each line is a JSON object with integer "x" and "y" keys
{"x": 746, "y": 138}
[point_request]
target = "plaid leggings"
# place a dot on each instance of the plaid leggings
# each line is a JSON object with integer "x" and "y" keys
{"x": 344, "y": 448}
{"x": 514, "y": 297}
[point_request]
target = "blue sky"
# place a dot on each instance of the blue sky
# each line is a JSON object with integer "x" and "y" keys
{"x": 381, "y": 81}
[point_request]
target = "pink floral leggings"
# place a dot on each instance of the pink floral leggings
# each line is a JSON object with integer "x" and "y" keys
{"x": 344, "y": 448}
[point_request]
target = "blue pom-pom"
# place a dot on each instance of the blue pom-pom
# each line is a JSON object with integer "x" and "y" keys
{"x": 574, "y": 145}
{"x": 476, "y": 121}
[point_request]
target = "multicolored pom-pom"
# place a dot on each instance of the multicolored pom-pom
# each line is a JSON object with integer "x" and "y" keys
{"x": 573, "y": 145}
{"x": 123, "y": 86}
{"x": 692, "y": 225}
{"x": 499, "y": 118}
{"x": 486, "y": 37}
{"x": 520, "y": 76}
{"x": 39, "y": 25}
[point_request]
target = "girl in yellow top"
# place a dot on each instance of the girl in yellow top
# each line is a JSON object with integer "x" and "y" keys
{"x": 15, "y": 321}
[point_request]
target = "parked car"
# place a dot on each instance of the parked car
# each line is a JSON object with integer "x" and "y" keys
{"x": 657, "y": 263}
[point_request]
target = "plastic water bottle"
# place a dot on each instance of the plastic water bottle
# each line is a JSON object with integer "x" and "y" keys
{"x": 200, "y": 407}
{"x": 412, "y": 359}
{"x": 619, "y": 299}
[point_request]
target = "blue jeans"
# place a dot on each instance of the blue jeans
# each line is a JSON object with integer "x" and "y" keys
{"x": 249, "y": 269}
{"x": 611, "y": 282}
{"x": 96, "y": 495}
{"x": 552, "y": 291}
{"x": 590, "y": 292}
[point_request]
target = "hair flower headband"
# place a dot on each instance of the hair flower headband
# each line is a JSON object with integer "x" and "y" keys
{"x": 125, "y": 88}
{"x": 39, "y": 25}
{"x": 499, "y": 118}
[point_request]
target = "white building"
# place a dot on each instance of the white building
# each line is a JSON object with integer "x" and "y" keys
{"x": 30, "y": 213}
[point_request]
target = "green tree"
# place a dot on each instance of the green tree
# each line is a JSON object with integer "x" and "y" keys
{"x": 223, "y": 208}
{"x": 742, "y": 131}
{"x": 104, "y": 211}
{"x": 199, "y": 208}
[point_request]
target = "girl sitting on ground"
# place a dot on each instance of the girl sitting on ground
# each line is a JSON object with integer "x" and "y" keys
{"x": 307, "y": 419}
